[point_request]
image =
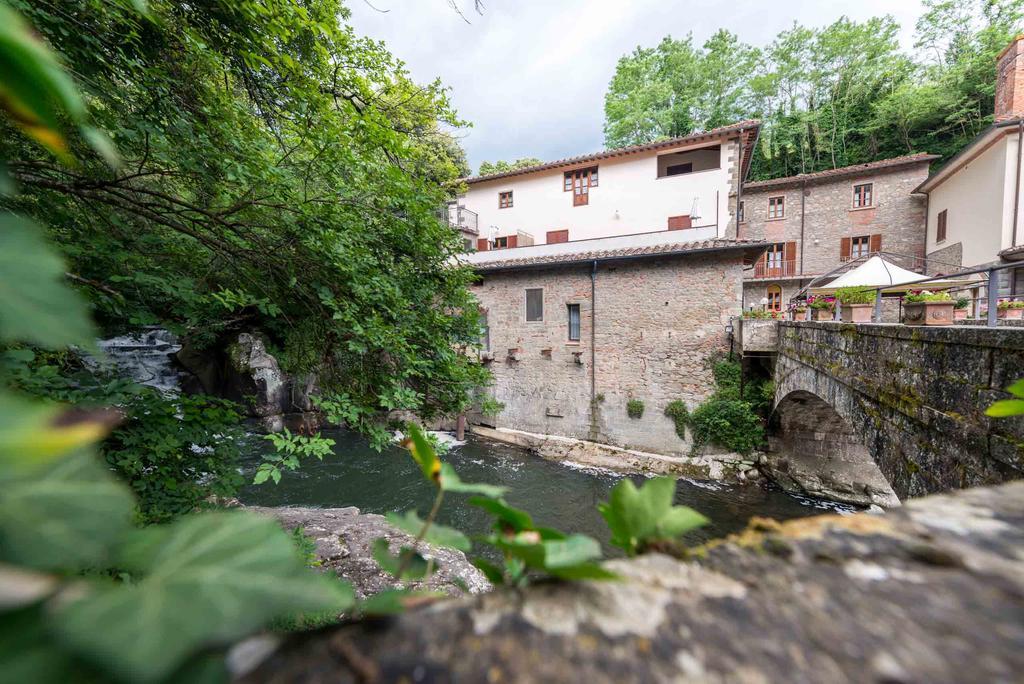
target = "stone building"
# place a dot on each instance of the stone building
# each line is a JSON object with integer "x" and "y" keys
{"x": 815, "y": 222}
{"x": 576, "y": 330}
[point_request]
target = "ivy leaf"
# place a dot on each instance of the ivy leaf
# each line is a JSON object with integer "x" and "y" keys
{"x": 573, "y": 550}
{"x": 207, "y": 579}
{"x": 415, "y": 564}
{"x": 450, "y": 482}
{"x": 62, "y": 514}
{"x": 438, "y": 535}
{"x": 637, "y": 517}
{"x": 36, "y": 305}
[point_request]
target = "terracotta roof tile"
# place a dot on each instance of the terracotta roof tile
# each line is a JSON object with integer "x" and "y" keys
{"x": 500, "y": 262}
{"x": 741, "y": 126}
{"x": 854, "y": 170}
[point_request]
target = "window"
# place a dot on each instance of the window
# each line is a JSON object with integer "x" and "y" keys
{"x": 862, "y": 195}
{"x": 679, "y": 169}
{"x": 774, "y": 256}
{"x": 774, "y": 296}
{"x": 778, "y": 262}
{"x": 776, "y": 207}
{"x": 740, "y": 216}
{"x": 467, "y": 245}
{"x": 535, "y": 304}
{"x": 485, "y": 332}
{"x": 859, "y": 246}
{"x": 501, "y": 242}
{"x": 940, "y": 229}
{"x": 574, "y": 322}
{"x": 505, "y": 199}
{"x": 580, "y": 182}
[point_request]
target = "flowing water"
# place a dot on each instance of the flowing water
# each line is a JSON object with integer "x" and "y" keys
{"x": 556, "y": 495}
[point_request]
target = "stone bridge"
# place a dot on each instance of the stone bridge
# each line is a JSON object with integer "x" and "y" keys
{"x": 869, "y": 413}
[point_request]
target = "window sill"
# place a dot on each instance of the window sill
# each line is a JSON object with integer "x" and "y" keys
{"x": 781, "y": 218}
{"x": 873, "y": 206}
{"x": 691, "y": 173}
{"x": 572, "y": 343}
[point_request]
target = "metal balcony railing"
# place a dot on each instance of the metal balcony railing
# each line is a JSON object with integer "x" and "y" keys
{"x": 779, "y": 268}
{"x": 461, "y": 218}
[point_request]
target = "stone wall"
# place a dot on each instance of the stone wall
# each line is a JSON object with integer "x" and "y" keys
{"x": 829, "y": 216}
{"x": 657, "y": 322}
{"x": 932, "y": 592}
{"x": 914, "y": 397}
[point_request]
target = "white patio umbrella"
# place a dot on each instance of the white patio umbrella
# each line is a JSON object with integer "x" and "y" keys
{"x": 877, "y": 272}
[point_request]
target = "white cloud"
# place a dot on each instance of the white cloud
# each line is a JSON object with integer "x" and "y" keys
{"x": 531, "y": 74}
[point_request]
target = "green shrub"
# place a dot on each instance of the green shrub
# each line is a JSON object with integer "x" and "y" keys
{"x": 680, "y": 415}
{"x": 855, "y": 295}
{"x": 729, "y": 423}
{"x": 635, "y": 408}
{"x": 926, "y": 296}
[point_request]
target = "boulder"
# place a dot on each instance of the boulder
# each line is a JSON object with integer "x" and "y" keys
{"x": 930, "y": 592}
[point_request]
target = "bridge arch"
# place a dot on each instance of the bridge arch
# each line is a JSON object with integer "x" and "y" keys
{"x": 814, "y": 449}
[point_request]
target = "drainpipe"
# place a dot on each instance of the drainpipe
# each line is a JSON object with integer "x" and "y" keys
{"x": 739, "y": 181}
{"x": 803, "y": 208}
{"x": 593, "y": 336}
{"x": 1016, "y": 190}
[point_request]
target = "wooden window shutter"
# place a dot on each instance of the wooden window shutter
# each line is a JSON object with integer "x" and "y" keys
{"x": 844, "y": 249}
{"x": 875, "y": 243}
{"x": 790, "y": 254}
{"x": 513, "y": 240}
{"x": 482, "y": 245}
{"x": 679, "y": 222}
{"x": 555, "y": 236}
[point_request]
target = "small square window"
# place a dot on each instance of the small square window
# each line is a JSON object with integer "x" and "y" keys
{"x": 574, "y": 322}
{"x": 776, "y": 207}
{"x": 862, "y": 195}
{"x": 505, "y": 199}
{"x": 535, "y": 304}
{"x": 859, "y": 246}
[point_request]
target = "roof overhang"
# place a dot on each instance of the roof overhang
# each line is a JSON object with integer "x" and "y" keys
{"x": 881, "y": 166}
{"x": 971, "y": 151}
{"x": 746, "y": 131}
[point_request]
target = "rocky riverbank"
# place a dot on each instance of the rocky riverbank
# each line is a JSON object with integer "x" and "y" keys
{"x": 930, "y": 592}
{"x": 344, "y": 537}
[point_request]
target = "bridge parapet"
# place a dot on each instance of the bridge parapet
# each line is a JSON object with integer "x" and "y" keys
{"x": 914, "y": 397}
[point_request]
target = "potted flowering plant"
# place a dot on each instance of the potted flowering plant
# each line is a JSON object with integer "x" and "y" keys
{"x": 1010, "y": 309}
{"x": 800, "y": 312}
{"x": 857, "y": 303}
{"x": 960, "y": 308}
{"x": 822, "y": 308}
{"x": 924, "y": 307}
{"x": 758, "y": 314}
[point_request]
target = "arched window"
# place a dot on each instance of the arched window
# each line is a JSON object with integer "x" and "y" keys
{"x": 774, "y": 296}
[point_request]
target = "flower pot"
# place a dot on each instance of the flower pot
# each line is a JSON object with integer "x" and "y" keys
{"x": 1010, "y": 314}
{"x": 799, "y": 315}
{"x": 959, "y": 314}
{"x": 857, "y": 313}
{"x": 821, "y": 315}
{"x": 928, "y": 313}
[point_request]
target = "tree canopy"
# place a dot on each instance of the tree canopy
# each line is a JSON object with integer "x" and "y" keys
{"x": 276, "y": 173}
{"x": 501, "y": 166}
{"x": 828, "y": 97}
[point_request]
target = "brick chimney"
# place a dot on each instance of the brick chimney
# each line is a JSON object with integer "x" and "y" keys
{"x": 1010, "y": 81}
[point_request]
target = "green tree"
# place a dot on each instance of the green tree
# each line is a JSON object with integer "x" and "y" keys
{"x": 500, "y": 166}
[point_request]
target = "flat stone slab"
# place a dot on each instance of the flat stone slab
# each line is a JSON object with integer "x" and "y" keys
{"x": 344, "y": 538}
{"x": 930, "y": 592}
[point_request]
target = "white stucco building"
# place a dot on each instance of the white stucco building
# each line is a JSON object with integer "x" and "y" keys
{"x": 692, "y": 184}
{"x": 975, "y": 200}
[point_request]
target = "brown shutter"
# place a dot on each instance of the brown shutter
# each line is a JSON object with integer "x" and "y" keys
{"x": 789, "y": 259}
{"x": 513, "y": 241}
{"x": 555, "y": 236}
{"x": 679, "y": 222}
{"x": 844, "y": 249}
{"x": 482, "y": 245}
{"x": 875, "y": 243}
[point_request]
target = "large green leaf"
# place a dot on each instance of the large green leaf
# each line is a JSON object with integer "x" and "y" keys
{"x": 36, "y": 305}
{"x": 513, "y": 518}
{"x": 29, "y": 653}
{"x": 423, "y": 452}
{"x": 450, "y": 482}
{"x": 438, "y": 535}
{"x": 62, "y": 514}
{"x": 32, "y": 432}
{"x": 639, "y": 516}
{"x": 207, "y": 579}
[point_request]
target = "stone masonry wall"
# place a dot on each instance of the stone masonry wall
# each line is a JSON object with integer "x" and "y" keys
{"x": 829, "y": 216}
{"x": 915, "y": 396}
{"x": 657, "y": 322}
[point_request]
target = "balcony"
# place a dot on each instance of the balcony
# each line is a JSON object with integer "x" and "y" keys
{"x": 461, "y": 218}
{"x": 777, "y": 268}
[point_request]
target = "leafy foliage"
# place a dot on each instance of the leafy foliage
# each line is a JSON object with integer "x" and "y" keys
{"x": 828, "y": 97}
{"x": 730, "y": 418}
{"x": 680, "y": 415}
{"x": 635, "y": 408}
{"x": 855, "y": 295}
{"x": 1009, "y": 407}
{"x": 289, "y": 450}
{"x": 646, "y": 517}
{"x": 487, "y": 168}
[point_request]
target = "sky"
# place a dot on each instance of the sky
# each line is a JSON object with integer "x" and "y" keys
{"x": 531, "y": 75}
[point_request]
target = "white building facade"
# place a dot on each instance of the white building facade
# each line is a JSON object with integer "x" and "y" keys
{"x": 690, "y": 184}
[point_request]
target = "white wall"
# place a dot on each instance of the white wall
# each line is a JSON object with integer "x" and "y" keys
{"x": 979, "y": 207}
{"x": 630, "y": 198}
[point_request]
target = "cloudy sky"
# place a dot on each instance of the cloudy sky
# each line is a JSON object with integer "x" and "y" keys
{"x": 531, "y": 74}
